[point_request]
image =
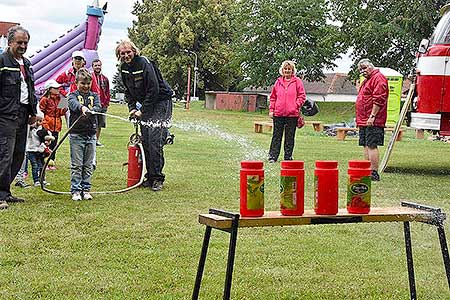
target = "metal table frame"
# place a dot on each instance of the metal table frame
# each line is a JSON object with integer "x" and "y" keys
{"x": 408, "y": 212}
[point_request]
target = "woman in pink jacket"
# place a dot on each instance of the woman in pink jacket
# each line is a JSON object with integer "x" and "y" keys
{"x": 286, "y": 99}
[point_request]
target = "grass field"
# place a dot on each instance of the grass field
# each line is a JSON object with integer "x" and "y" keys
{"x": 146, "y": 245}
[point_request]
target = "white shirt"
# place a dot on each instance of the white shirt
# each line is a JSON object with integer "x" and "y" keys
{"x": 23, "y": 86}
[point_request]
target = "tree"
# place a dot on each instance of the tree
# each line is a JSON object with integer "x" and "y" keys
{"x": 388, "y": 31}
{"x": 271, "y": 31}
{"x": 164, "y": 28}
{"x": 117, "y": 82}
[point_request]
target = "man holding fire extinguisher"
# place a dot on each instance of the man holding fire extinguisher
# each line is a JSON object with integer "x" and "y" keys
{"x": 371, "y": 112}
{"x": 144, "y": 84}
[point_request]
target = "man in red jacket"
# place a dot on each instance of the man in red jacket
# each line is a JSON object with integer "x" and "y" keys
{"x": 371, "y": 112}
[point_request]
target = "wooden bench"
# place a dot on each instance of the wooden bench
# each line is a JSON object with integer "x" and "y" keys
{"x": 341, "y": 132}
{"x": 259, "y": 125}
{"x": 317, "y": 125}
{"x": 407, "y": 213}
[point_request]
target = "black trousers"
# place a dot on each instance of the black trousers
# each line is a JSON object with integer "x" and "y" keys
{"x": 53, "y": 144}
{"x": 13, "y": 139}
{"x": 154, "y": 132}
{"x": 288, "y": 125}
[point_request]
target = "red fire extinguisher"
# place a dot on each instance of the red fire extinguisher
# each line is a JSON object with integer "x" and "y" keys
{"x": 135, "y": 164}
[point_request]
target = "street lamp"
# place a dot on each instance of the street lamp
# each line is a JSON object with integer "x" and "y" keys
{"x": 195, "y": 72}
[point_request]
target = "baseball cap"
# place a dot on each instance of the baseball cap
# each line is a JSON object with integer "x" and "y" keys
{"x": 78, "y": 54}
{"x": 51, "y": 84}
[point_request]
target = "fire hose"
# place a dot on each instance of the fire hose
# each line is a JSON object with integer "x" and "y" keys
{"x": 135, "y": 139}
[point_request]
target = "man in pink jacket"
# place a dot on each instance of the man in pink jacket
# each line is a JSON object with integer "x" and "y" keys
{"x": 371, "y": 112}
{"x": 286, "y": 99}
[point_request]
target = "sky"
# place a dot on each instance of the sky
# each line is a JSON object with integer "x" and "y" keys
{"x": 47, "y": 20}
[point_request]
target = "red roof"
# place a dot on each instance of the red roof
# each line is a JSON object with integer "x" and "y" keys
{"x": 4, "y": 26}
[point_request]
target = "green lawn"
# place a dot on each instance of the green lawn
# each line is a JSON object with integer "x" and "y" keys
{"x": 146, "y": 245}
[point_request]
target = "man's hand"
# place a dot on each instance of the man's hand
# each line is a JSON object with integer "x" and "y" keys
{"x": 135, "y": 114}
{"x": 370, "y": 121}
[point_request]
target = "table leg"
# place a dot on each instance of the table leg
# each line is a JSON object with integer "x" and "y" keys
{"x": 201, "y": 263}
{"x": 231, "y": 254}
{"x": 409, "y": 261}
{"x": 444, "y": 250}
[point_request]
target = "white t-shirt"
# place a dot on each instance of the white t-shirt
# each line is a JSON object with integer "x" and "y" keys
{"x": 23, "y": 85}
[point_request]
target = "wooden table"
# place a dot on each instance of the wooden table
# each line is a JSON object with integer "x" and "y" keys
{"x": 406, "y": 213}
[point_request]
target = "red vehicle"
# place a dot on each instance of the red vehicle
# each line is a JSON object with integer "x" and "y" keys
{"x": 431, "y": 109}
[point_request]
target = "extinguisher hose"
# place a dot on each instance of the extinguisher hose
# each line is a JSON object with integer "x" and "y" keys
{"x": 139, "y": 144}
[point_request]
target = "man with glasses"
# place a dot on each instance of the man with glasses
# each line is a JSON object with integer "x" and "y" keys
{"x": 17, "y": 108}
{"x": 371, "y": 112}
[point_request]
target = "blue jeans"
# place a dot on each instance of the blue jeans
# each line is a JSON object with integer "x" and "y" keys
{"x": 37, "y": 162}
{"x": 82, "y": 152}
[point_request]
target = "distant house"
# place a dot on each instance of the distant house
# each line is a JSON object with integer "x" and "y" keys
{"x": 4, "y": 26}
{"x": 335, "y": 87}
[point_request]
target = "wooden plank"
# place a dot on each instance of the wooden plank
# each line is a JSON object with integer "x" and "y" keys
{"x": 274, "y": 218}
{"x": 341, "y": 132}
{"x": 259, "y": 125}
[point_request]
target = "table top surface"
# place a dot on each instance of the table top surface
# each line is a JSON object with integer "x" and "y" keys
{"x": 275, "y": 218}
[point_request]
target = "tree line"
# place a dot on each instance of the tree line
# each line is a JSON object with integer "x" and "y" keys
{"x": 241, "y": 43}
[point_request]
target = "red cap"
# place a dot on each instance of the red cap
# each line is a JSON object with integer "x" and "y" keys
{"x": 360, "y": 164}
{"x": 292, "y": 164}
{"x": 252, "y": 164}
{"x": 326, "y": 164}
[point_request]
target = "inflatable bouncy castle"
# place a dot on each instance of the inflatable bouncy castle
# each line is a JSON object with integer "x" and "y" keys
{"x": 55, "y": 57}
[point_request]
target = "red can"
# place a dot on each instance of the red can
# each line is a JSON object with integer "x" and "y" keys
{"x": 326, "y": 187}
{"x": 359, "y": 187}
{"x": 292, "y": 186}
{"x": 252, "y": 189}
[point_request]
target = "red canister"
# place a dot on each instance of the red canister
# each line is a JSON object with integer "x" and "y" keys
{"x": 326, "y": 187}
{"x": 292, "y": 186}
{"x": 359, "y": 187}
{"x": 252, "y": 189}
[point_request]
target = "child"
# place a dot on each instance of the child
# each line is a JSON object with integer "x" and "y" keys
{"x": 82, "y": 135}
{"x": 52, "y": 115}
{"x": 37, "y": 149}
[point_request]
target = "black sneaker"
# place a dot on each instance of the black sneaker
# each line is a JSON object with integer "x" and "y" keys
{"x": 169, "y": 139}
{"x": 375, "y": 176}
{"x": 157, "y": 185}
{"x": 12, "y": 199}
{"x": 98, "y": 144}
{"x": 22, "y": 184}
{"x": 147, "y": 184}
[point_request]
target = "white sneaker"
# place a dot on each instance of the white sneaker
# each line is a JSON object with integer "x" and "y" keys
{"x": 87, "y": 196}
{"x": 76, "y": 196}
{"x": 37, "y": 183}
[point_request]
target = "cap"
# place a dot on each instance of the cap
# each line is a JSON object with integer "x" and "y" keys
{"x": 51, "y": 84}
{"x": 78, "y": 54}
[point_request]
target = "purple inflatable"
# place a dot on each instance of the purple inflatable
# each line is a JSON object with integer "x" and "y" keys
{"x": 56, "y": 58}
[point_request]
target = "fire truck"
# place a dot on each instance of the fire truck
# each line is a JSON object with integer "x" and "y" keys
{"x": 427, "y": 105}
{"x": 431, "y": 106}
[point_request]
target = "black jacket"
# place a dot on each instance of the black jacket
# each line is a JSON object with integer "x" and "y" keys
{"x": 144, "y": 83}
{"x": 87, "y": 125}
{"x": 10, "y": 86}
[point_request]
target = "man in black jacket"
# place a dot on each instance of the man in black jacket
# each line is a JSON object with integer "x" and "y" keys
{"x": 17, "y": 108}
{"x": 144, "y": 84}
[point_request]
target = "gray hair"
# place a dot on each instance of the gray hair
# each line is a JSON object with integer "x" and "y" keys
{"x": 365, "y": 62}
{"x": 287, "y": 63}
{"x": 13, "y": 30}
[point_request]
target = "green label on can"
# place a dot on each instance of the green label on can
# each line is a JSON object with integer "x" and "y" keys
{"x": 288, "y": 192}
{"x": 255, "y": 192}
{"x": 359, "y": 192}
